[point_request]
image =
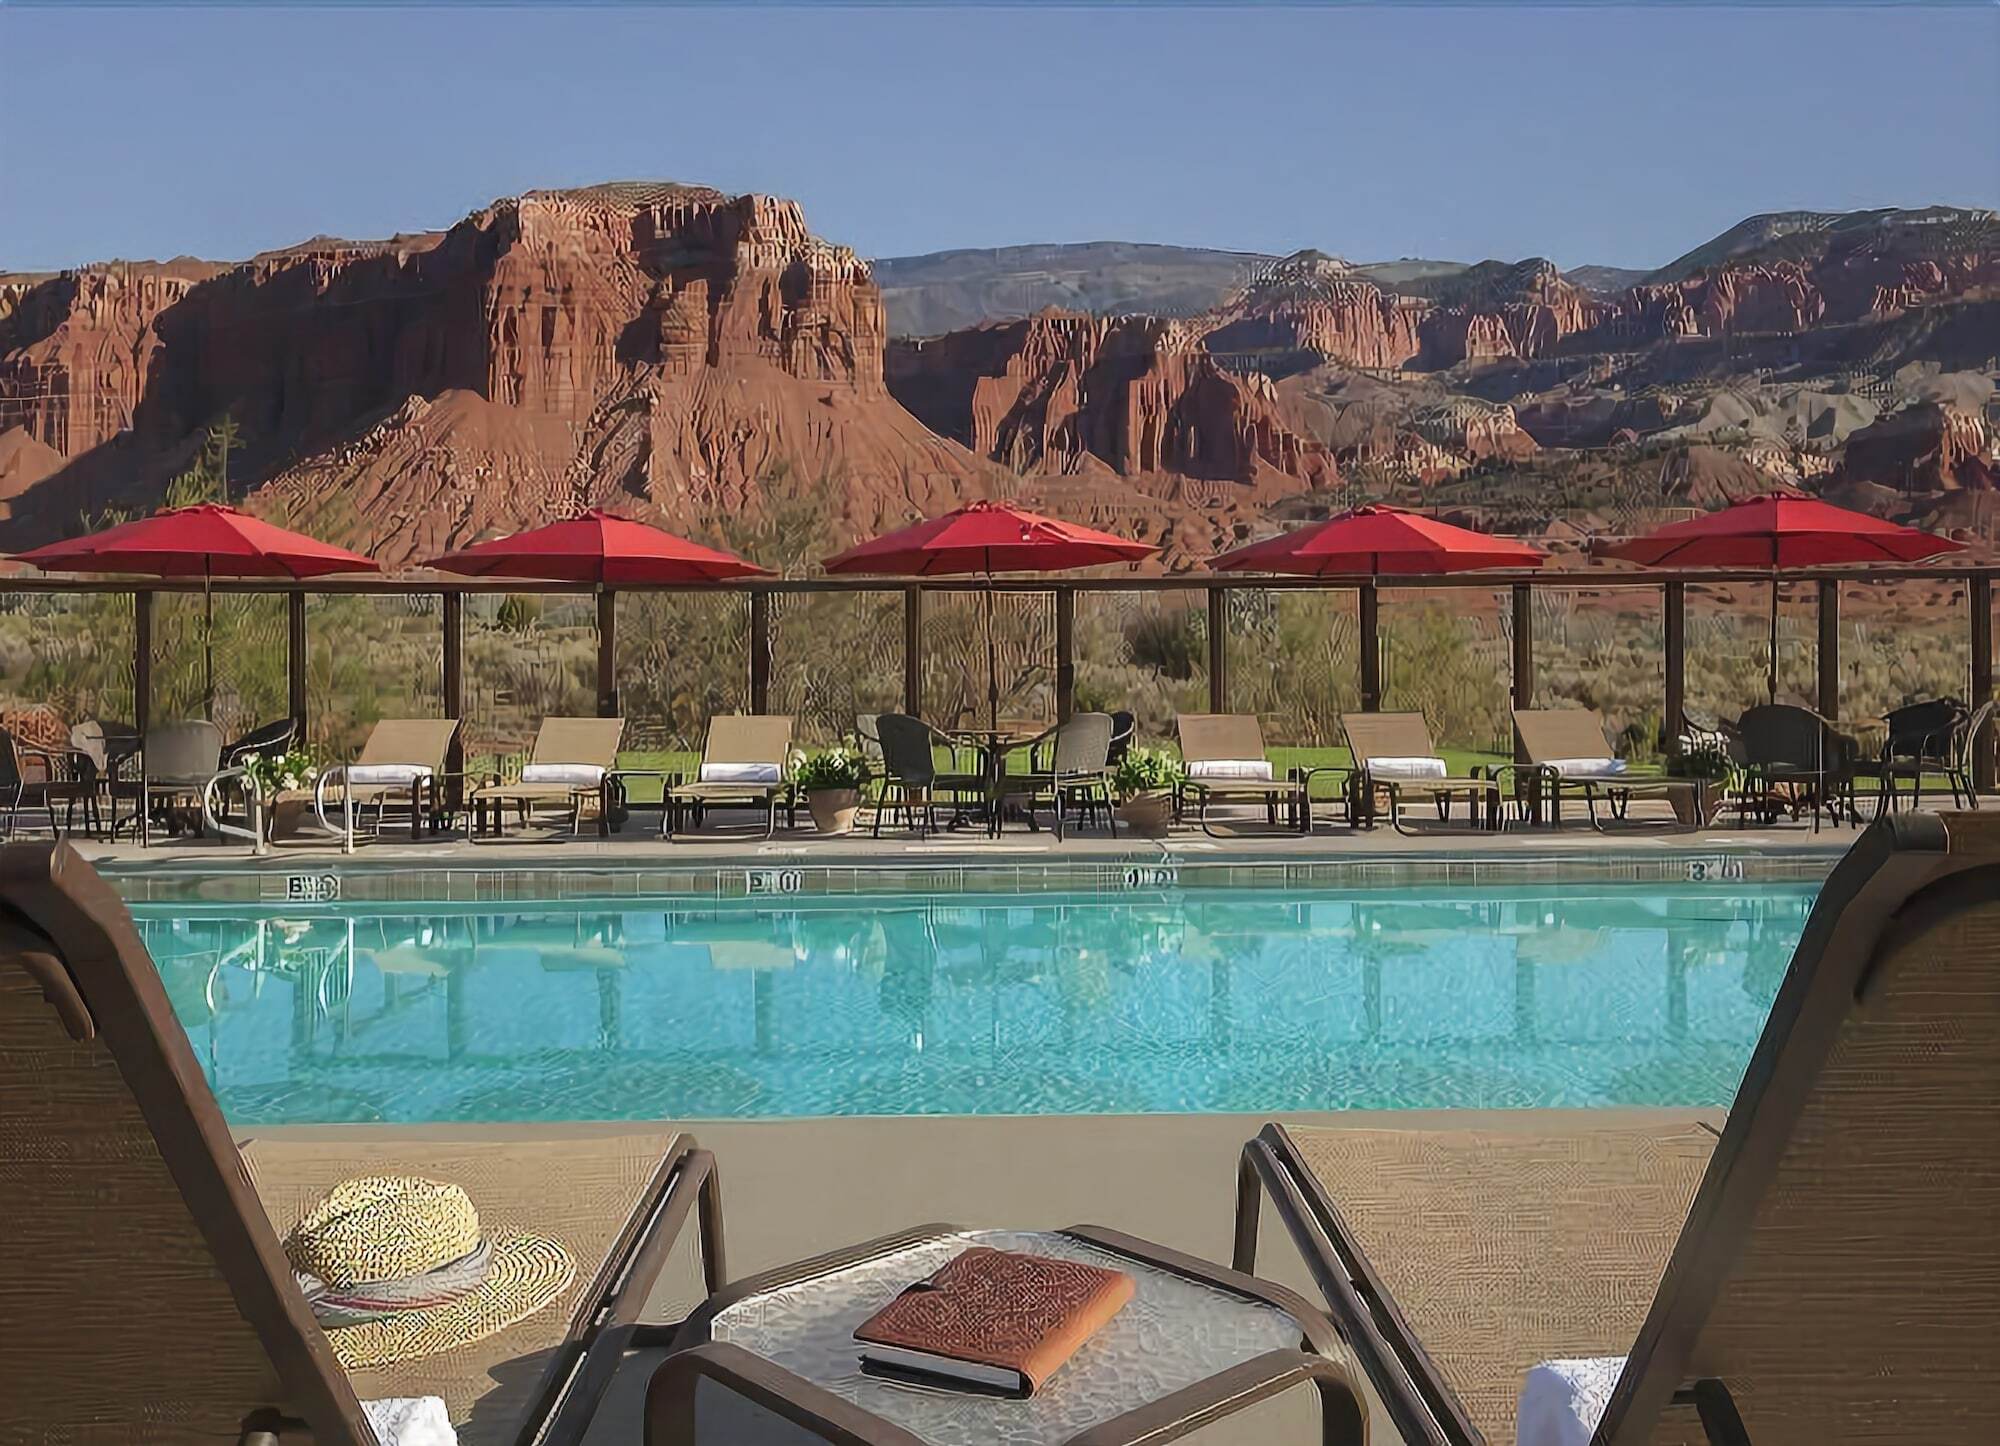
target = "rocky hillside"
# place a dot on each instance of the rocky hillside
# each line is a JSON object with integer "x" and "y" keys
{"x": 659, "y": 348}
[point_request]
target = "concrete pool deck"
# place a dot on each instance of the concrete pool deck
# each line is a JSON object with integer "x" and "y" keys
{"x": 796, "y": 1188}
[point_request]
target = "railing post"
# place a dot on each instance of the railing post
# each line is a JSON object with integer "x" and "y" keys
{"x": 1673, "y": 620}
{"x": 760, "y": 650}
{"x": 1371, "y": 649}
{"x": 607, "y": 653}
{"x": 1981, "y": 597}
{"x": 453, "y": 684}
{"x": 1065, "y": 653}
{"x": 1218, "y": 650}
{"x": 1829, "y": 648}
{"x": 1524, "y": 655}
{"x": 295, "y": 657}
{"x": 913, "y": 650}
{"x": 142, "y": 661}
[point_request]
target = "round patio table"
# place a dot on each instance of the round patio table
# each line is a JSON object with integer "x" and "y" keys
{"x": 1195, "y": 1343}
{"x": 993, "y": 745}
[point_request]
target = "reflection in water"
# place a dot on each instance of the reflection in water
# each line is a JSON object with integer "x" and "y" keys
{"x": 1007, "y": 1004}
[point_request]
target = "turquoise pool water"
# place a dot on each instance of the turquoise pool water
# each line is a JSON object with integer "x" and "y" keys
{"x": 1223, "y": 1000}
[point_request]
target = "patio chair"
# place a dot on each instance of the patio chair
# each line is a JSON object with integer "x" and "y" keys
{"x": 1124, "y": 728}
{"x": 99, "y": 751}
{"x": 1225, "y": 760}
{"x": 405, "y": 760}
{"x": 742, "y": 766}
{"x": 1569, "y": 753}
{"x": 1823, "y": 1271}
{"x": 1394, "y": 755}
{"x": 911, "y": 781}
{"x": 1793, "y": 759}
{"x": 274, "y": 737}
{"x": 569, "y": 765}
{"x": 1077, "y": 773}
{"x": 1922, "y": 738}
{"x": 35, "y": 779}
{"x": 175, "y": 766}
{"x": 150, "y": 1298}
{"x": 1976, "y": 733}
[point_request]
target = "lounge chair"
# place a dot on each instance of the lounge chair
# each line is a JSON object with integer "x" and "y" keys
{"x": 1393, "y": 755}
{"x": 176, "y": 764}
{"x": 1834, "y": 1278}
{"x": 911, "y": 781}
{"x": 1225, "y": 761}
{"x": 405, "y": 760}
{"x": 742, "y": 766}
{"x": 1077, "y": 772}
{"x": 1568, "y": 753}
{"x": 570, "y": 764}
{"x": 148, "y": 1297}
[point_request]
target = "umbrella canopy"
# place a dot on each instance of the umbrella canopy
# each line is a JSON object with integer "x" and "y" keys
{"x": 986, "y": 537}
{"x": 1378, "y": 541}
{"x": 205, "y": 541}
{"x": 598, "y": 547}
{"x": 1777, "y": 531}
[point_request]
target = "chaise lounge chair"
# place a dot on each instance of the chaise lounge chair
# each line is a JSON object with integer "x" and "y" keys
{"x": 1225, "y": 760}
{"x": 1568, "y": 754}
{"x": 403, "y": 762}
{"x": 1837, "y": 1274}
{"x": 148, "y": 1297}
{"x": 1393, "y": 755}
{"x": 570, "y": 765}
{"x": 742, "y": 766}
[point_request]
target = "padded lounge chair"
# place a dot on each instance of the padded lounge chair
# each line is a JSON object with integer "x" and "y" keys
{"x": 1394, "y": 755}
{"x": 1225, "y": 760}
{"x": 148, "y": 1297}
{"x": 570, "y": 763}
{"x": 404, "y": 760}
{"x": 1837, "y": 1275}
{"x": 742, "y": 766}
{"x": 1568, "y": 753}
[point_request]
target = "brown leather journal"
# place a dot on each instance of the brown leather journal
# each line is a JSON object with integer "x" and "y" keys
{"x": 993, "y": 1320}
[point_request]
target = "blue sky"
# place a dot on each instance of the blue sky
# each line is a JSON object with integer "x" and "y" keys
{"x": 1618, "y": 136}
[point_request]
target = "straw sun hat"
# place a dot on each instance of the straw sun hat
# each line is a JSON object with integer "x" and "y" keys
{"x": 395, "y": 1268}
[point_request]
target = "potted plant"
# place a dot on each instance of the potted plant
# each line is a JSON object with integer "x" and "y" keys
{"x": 1144, "y": 781}
{"x": 1704, "y": 759}
{"x": 276, "y": 774}
{"x": 831, "y": 780}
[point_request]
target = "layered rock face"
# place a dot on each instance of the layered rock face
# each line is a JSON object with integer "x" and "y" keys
{"x": 1062, "y": 393}
{"x": 656, "y": 347}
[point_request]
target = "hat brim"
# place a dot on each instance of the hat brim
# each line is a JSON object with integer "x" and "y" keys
{"x": 526, "y": 1274}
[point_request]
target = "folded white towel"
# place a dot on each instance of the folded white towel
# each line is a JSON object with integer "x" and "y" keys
{"x": 1258, "y": 768}
{"x": 587, "y": 774}
{"x": 1562, "y": 1401}
{"x": 741, "y": 773}
{"x": 410, "y": 1421}
{"x": 387, "y": 773}
{"x": 1588, "y": 767}
{"x": 1401, "y": 770}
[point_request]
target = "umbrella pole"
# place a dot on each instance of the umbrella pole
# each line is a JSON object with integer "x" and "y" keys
{"x": 992, "y": 662}
{"x": 207, "y": 642}
{"x": 1772, "y": 678}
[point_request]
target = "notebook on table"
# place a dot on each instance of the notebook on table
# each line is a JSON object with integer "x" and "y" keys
{"x": 997, "y": 1321}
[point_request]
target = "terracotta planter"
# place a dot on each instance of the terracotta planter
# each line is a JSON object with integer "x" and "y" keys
{"x": 1149, "y": 814}
{"x": 833, "y": 809}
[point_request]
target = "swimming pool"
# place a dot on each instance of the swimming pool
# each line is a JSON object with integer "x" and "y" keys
{"x": 1239, "y": 999}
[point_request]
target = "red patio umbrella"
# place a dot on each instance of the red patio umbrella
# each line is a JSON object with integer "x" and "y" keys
{"x": 1378, "y": 541}
{"x": 1776, "y": 531}
{"x": 986, "y": 537}
{"x": 207, "y": 541}
{"x": 598, "y": 547}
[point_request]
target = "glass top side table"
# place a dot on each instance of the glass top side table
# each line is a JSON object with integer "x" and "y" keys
{"x": 1196, "y": 1342}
